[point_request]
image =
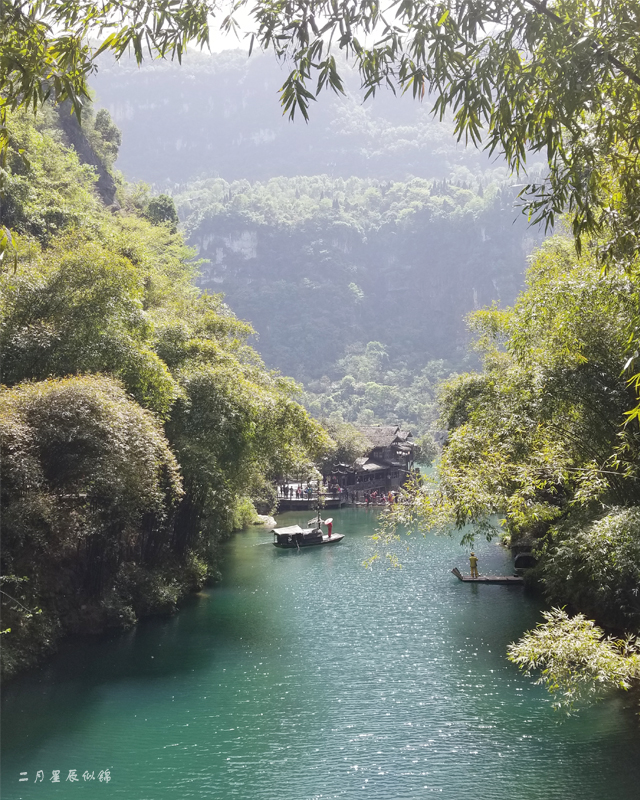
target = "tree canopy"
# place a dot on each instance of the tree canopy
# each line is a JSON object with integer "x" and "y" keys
{"x": 45, "y": 50}
{"x": 537, "y": 437}
{"x": 577, "y": 662}
{"x": 561, "y": 77}
{"x": 137, "y": 423}
{"x": 396, "y": 262}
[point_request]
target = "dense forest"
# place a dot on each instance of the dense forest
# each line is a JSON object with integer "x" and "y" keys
{"x": 319, "y": 265}
{"x": 138, "y": 426}
{"x": 404, "y": 234}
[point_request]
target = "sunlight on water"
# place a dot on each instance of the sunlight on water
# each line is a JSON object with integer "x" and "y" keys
{"x": 305, "y": 676}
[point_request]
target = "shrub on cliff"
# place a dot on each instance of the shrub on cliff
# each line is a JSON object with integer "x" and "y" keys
{"x": 89, "y": 492}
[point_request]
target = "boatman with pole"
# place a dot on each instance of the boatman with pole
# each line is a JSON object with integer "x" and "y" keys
{"x": 473, "y": 563}
{"x": 329, "y": 524}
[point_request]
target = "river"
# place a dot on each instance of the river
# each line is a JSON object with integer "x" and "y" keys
{"x": 304, "y": 676}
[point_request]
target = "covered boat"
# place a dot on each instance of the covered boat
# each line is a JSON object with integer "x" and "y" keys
{"x": 295, "y": 536}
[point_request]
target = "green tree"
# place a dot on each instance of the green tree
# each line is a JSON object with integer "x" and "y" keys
{"x": 349, "y": 444}
{"x": 426, "y": 448}
{"x": 45, "y": 51}
{"x": 230, "y": 426}
{"x": 90, "y": 489}
{"x": 537, "y": 442}
{"x": 100, "y": 524}
{"x": 108, "y": 137}
{"x": 536, "y": 433}
{"x": 162, "y": 211}
{"x": 561, "y": 78}
{"x": 77, "y": 308}
{"x": 595, "y": 566}
{"x": 576, "y": 662}
{"x": 45, "y": 189}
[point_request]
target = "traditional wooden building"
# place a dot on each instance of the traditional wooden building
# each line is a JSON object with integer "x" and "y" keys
{"x": 386, "y": 465}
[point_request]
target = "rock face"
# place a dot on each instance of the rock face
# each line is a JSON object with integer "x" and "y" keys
{"x": 330, "y": 277}
{"x": 220, "y": 115}
{"x": 348, "y": 261}
{"x": 105, "y": 185}
{"x": 266, "y": 521}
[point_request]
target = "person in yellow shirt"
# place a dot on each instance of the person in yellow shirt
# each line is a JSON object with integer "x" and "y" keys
{"x": 473, "y": 563}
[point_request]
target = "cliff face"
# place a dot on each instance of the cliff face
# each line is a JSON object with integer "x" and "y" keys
{"x": 315, "y": 263}
{"x": 221, "y": 115}
{"x": 311, "y": 289}
{"x": 77, "y": 138}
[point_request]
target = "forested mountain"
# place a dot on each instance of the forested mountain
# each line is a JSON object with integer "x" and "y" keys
{"x": 319, "y": 265}
{"x": 220, "y": 116}
{"x": 368, "y": 226}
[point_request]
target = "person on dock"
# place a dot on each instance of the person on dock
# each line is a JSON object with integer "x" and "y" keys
{"x": 473, "y": 563}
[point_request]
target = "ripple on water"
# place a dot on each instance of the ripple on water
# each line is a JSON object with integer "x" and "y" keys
{"x": 305, "y": 676}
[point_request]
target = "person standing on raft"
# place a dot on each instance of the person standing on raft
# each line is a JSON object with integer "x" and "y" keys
{"x": 329, "y": 524}
{"x": 473, "y": 563}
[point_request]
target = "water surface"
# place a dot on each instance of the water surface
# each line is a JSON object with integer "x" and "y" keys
{"x": 303, "y": 675}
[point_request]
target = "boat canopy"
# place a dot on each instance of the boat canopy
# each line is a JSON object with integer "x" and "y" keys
{"x": 290, "y": 530}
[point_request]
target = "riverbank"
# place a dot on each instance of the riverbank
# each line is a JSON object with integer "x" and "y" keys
{"x": 296, "y": 668}
{"x": 37, "y": 636}
{"x": 157, "y": 593}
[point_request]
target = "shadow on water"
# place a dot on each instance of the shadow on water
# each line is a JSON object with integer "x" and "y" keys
{"x": 156, "y": 650}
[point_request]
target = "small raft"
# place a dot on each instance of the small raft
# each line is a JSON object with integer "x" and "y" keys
{"x": 504, "y": 580}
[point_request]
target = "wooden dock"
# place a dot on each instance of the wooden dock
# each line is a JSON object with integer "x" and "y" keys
{"x": 504, "y": 580}
{"x": 307, "y": 503}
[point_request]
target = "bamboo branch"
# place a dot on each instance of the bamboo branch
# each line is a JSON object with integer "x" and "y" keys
{"x": 541, "y": 8}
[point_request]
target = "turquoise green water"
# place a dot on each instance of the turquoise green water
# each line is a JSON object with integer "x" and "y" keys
{"x": 305, "y": 676}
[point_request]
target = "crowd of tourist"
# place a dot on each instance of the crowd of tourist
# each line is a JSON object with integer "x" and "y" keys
{"x": 308, "y": 491}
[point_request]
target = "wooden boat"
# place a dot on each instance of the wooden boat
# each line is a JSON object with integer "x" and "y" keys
{"x": 505, "y": 580}
{"x": 311, "y": 536}
{"x": 296, "y": 537}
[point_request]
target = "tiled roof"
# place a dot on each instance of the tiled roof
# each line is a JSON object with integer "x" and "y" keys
{"x": 383, "y": 435}
{"x": 379, "y": 435}
{"x": 372, "y": 466}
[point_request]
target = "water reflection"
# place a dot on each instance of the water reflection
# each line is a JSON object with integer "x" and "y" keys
{"x": 304, "y": 675}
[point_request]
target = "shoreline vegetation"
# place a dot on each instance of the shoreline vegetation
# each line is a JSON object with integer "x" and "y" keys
{"x": 541, "y": 449}
{"x": 139, "y": 427}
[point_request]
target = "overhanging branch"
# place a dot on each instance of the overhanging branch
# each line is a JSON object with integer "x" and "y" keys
{"x": 541, "y": 8}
